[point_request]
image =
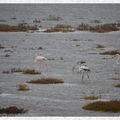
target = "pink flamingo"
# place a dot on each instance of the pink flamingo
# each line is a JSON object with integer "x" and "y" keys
{"x": 118, "y": 58}
{"x": 41, "y": 60}
{"x": 118, "y": 62}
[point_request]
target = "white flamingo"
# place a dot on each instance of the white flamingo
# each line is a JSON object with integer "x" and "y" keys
{"x": 41, "y": 60}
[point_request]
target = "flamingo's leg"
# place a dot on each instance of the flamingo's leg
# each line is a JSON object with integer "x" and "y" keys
{"x": 45, "y": 64}
{"x": 82, "y": 75}
{"x": 40, "y": 65}
{"x": 73, "y": 68}
{"x": 87, "y": 75}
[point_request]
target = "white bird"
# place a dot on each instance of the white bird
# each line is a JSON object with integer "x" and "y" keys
{"x": 82, "y": 69}
{"x": 41, "y": 60}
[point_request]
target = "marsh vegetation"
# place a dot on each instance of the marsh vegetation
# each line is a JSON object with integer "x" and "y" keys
{"x": 21, "y": 27}
{"x": 46, "y": 81}
{"x": 24, "y": 71}
{"x": 12, "y": 110}
{"x": 105, "y": 106}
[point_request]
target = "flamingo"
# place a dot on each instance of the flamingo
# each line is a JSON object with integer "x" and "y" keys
{"x": 118, "y": 58}
{"x": 117, "y": 62}
{"x": 82, "y": 68}
{"x": 41, "y": 60}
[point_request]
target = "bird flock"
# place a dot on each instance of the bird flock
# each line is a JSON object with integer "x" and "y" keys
{"x": 81, "y": 66}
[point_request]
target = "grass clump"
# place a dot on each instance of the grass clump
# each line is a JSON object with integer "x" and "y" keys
{"x": 116, "y": 78}
{"x": 46, "y": 81}
{"x": 1, "y": 46}
{"x": 100, "y": 46}
{"x": 118, "y": 85}
{"x": 105, "y": 106}
{"x": 12, "y": 110}
{"x": 15, "y": 70}
{"x": 91, "y": 97}
{"x": 7, "y": 55}
{"x": 99, "y": 28}
{"x": 61, "y": 28}
{"x": 30, "y": 71}
{"x": 21, "y": 27}
{"x": 112, "y": 52}
{"x": 6, "y": 72}
{"x": 40, "y": 48}
{"x": 12, "y": 70}
{"x": 24, "y": 71}
{"x": 23, "y": 87}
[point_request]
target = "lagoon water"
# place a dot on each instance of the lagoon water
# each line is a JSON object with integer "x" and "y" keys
{"x": 59, "y": 99}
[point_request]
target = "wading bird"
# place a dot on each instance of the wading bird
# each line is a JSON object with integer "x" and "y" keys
{"x": 117, "y": 71}
{"x": 118, "y": 58}
{"x": 41, "y": 60}
{"x": 81, "y": 68}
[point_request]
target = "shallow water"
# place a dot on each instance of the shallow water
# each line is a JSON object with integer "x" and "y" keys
{"x": 59, "y": 99}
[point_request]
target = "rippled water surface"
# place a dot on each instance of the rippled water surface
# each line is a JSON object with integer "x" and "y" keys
{"x": 59, "y": 99}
